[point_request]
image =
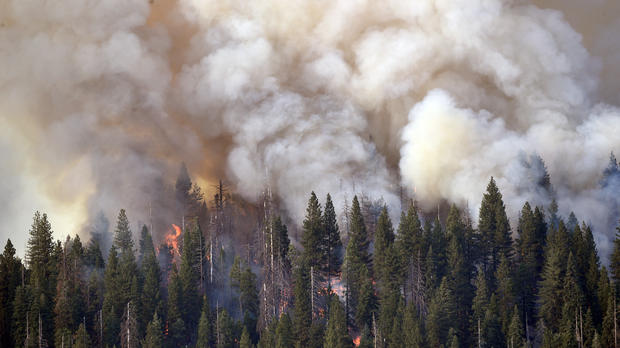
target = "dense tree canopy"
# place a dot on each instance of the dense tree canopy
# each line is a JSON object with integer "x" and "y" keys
{"x": 430, "y": 282}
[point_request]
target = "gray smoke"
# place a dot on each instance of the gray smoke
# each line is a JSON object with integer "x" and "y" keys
{"x": 102, "y": 100}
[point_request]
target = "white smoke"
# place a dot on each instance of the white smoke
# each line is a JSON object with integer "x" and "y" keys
{"x": 105, "y": 98}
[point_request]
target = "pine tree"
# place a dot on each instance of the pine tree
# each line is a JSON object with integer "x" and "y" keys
{"x": 515, "y": 330}
{"x": 441, "y": 315}
{"x": 189, "y": 275}
{"x": 384, "y": 240}
{"x": 176, "y": 325}
{"x": 357, "y": 258}
{"x": 284, "y": 332}
{"x": 63, "y": 317}
{"x": 154, "y": 337}
{"x": 366, "y": 339}
{"x": 609, "y": 329}
{"x": 317, "y": 335}
{"x": 505, "y": 291}
{"x": 113, "y": 300}
{"x": 461, "y": 268}
{"x": 313, "y": 234}
{"x": 81, "y": 338}
{"x": 226, "y": 336}
{"x": 146, "y": 244}
{"x": 409, "y": 244}
{"x": 42, "y": 255}
{"x": 93, "y": 256}
{"x": 336, "y": 335}
{"x": 249, "y": 303}
{"x": 412, "y": 329}
{"x": 436, "y": 257}
{"x": 530, "y": 254}
{"x": 268, "y": 336}
{"x": 245, "y": 341}
{"x": 332, "y": 241}
{"x": 494, "y": 229}
{"x": 480, "y": 301}
{"x": 491, "y": 325}
{"x": 367, "y": 301}
{"x": 10, "y": 277}
{"x": 183, "y": 188}
{"x": 281, "y": 241}
{"x": 150, "y": 296}
{"x": 550, "y": 289}
{"x": 303, "y": 308}
{"x": 614, "y": 261}
{"x": 205, "y": 329}
{"x": 20, "y": 326}
{"x": 123, "y": 241}
{"x": 395, "y": 336}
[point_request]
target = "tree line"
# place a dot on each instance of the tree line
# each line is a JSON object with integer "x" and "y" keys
{"x": 423, "y": 283}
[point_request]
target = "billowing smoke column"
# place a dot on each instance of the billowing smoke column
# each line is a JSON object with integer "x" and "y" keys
{"x": 100, "y": 101}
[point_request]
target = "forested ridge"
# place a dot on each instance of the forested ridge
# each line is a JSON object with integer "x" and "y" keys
{"x": 354, "y": 279}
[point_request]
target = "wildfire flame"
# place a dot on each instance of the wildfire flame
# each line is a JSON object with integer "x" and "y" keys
{"x": 356, "y": 341}
{"x": 173, "y": 239}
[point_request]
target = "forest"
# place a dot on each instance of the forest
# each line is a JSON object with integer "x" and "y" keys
{"x": 351, "y": 280}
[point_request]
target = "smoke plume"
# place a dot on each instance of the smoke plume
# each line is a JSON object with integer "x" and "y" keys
{"x": 100, "y": 100}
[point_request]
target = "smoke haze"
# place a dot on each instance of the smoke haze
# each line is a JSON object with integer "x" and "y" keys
{"x": 101, "y": 100}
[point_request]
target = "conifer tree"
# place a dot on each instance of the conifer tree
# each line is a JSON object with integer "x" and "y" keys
{"x": 245, "y": 341}
{"x": 367, "y": 301}
{"x": 146, "y": 244}
{"x": 395, "y": 337}
{"x": 249, "y": 303}
{"x": 441, "y": 315}
{"x": 384, "y": 240}
{"x": 10, "y": 277}
{"x": 81, "y": 338}
{"x": 303, "y": 306}
{"x": 113, "y": 302}
{"x": 609, "y": 327}
{"x": 21, "y": 305}
{"x": 313, "y": 237}
{"x": 332, "y": 242}
{"x": 614, "y": 262}
{"x": 412, "y": 329}
{"x": 150, "y": 296}
{"x": 494, "y": 229}
{"x": 189, "y": 276}
{"x": 42, "y": 256}
{"x": 461, "y": 269}
{"x": 480, "y": 301}
{"x": 515, "y": 335}
{"x": 123, "y": 241}
{"x": 491, "y": 325}
{"x": 530, "y": 255}
{"x": 284, "y": 332}
{"x": 357, "y": 258}
{"x": 205, "y": 329}
{"x": 226, "y": 337}
{"x": 409, "y": 246}
{"x": 154, "y": 337}
{"x": 366, "y": 339}
{"x": 505, "y": 291}
{"x": 336, "y": 335}
{"x": 176, "y": 325}
{"x": 550, "y": 289}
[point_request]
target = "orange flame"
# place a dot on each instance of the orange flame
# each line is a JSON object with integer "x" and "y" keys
{"x": 356, "y": 341}
{"x": 173, "y": 239}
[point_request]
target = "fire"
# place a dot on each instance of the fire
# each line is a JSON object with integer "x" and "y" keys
{"x": 356, "y": 341}
{"x": 338, "y": 287}
{"x": 173, "y": 239}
